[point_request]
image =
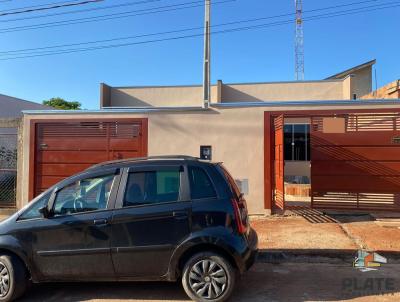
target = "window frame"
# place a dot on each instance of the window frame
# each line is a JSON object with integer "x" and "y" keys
{"x": 183, "y": 191}
{"x": 62, "y": 185}
{"x": 32, "y": 203}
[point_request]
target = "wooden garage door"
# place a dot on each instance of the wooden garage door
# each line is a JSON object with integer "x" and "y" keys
{"x": 65, "y": 148}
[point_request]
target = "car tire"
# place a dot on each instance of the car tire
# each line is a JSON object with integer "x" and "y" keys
{"x": 13, "y": 278}
{"x": 208, "y": 270}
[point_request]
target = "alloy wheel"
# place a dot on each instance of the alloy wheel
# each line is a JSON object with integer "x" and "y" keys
{"x": 207, "y": 279}
{"x": 4, "y": 280}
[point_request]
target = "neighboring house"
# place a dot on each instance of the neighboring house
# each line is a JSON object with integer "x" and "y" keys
{"x": 10, "y": 120}
{"x": 389, "y": 91}
{"x": 265, "y": 133}
{"x": 11, "y": 107}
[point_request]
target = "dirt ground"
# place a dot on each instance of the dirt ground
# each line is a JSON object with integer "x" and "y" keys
{"x": 297, "y": 233}
{"x": 336, "y": 233}
{"x": 375, "y": 236}
{"x": 264, "y": 282}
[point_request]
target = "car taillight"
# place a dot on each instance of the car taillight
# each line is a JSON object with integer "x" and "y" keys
{"x": 241, "y": 217}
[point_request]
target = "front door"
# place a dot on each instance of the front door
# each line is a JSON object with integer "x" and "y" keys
{"x": 151, "y": 219}
{"x": 74, "y": 241}
{"x": 279, "y": 163}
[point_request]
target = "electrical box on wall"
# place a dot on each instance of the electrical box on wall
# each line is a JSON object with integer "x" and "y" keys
{"x": 206, "y": 152}
{"x": 243, "y": 185}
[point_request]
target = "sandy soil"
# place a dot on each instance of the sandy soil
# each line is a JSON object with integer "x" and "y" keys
{"x": 297, "y": 233}
{"x": 376, "y": 236}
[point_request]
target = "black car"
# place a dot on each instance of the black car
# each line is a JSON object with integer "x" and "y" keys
{"x": 163, "y": 218}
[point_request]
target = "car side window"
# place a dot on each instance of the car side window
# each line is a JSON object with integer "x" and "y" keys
{"x": 90, "y": 194}
{"x": 152, "y": 187}
{"x": 32, "y": 212}
{"x": 200, "y": 184}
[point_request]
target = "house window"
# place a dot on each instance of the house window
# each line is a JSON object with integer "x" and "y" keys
{"x": 297, "y": 142}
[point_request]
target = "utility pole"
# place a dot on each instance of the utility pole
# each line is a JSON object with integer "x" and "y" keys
{"x": 299, "y": 42}
{"x": 206, "y": 63}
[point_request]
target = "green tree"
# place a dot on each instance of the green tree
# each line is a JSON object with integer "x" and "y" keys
{"x": 60, "y": 103}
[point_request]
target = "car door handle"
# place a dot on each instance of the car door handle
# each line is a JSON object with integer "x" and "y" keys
{"x": 180, "y": 214}
{"x": 100, "y": 222}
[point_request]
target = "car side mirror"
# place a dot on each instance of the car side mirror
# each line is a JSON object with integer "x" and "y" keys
{"x": 44, "y": 211}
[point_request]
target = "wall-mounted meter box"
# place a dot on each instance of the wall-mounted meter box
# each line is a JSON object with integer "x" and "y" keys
{"x": 206, "y": 152}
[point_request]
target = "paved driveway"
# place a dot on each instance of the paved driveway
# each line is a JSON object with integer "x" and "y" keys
{"x": 265, "y": 282}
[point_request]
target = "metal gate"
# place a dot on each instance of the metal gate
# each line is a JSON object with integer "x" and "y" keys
{"x": 356, "y": 161}
{"x": 8, "y": 167}
{"x": 63, "y": 148}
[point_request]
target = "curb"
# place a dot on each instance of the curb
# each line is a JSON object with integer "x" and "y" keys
{"x": 318, "y": 256}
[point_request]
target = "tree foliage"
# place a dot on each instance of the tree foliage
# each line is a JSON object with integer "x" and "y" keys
{"x": 60, "y": 103}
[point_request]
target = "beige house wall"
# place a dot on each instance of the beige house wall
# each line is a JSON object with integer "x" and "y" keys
{"x": 236, "y": 136}
{"x": 362, "y": 82}
{"x": 348, "y": 88}
{"x": 284, "y": 91}
{"x": 298, "y": 168}
{"x": 240, "y": 145}
{"x": 159, "y": 96}
{"x": 172, "y": 96}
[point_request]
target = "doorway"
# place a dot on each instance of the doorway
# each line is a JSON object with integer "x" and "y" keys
{"x": 297, "y": 162}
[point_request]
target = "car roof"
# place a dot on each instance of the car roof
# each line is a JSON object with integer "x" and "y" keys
{"x": 151, "y": 160}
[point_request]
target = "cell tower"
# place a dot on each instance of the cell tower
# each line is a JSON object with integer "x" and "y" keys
{"x": 299, "y": 47}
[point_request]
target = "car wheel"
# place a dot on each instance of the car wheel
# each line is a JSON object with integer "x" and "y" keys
{"x": 13, "y": 278}
{"x": 208, "y": 277}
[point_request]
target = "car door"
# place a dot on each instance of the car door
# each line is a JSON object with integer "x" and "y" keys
{"x": 151, "y": 218}
{"x": 74, "y": 241}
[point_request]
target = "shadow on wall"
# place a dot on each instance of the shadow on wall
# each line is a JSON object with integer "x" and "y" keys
{"x": 230, "y": 94}
{"x": 127, "y": 100}
{"x": 176, "y": 125}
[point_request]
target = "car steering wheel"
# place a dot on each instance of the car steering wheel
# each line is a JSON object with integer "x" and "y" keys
{"x": 78, "y": 204}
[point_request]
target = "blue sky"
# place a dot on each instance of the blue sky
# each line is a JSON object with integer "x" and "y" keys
{"x": 331, "y": 45}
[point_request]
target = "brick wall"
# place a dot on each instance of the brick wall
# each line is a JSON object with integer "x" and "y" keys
{"x": 389, "y": 91}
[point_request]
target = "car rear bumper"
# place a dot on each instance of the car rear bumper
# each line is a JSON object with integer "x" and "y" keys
{"x": 252, "y": 252}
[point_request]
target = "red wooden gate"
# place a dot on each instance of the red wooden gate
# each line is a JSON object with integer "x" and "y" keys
{"x": 356, "y": 161}
{"x": 63, "y": 148}
{"x": 279, "y": 162}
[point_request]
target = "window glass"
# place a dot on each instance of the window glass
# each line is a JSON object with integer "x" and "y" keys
{"x": 299, "y": 139}
{"x": 297, "y": 142}
{"x": 33, "y": 210}
{"x": 85, "y": 195}
{"x": 232, "y": 183}
{"x": 152, "y": 187}
{"x": 288, "y": 140}
{"x": 200, "y": 184}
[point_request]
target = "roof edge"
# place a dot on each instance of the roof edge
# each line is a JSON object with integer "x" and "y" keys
{"x": 122, "y": 110}
{"x": 347, "y": 72}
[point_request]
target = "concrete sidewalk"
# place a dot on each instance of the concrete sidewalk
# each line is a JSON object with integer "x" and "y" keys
{"x": 326, "y": 236}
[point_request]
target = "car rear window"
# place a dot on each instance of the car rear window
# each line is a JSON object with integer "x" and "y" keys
{"x": 200, "y": 184}
{"x": 232, "y": 184}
